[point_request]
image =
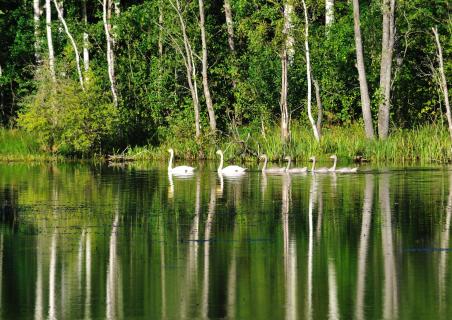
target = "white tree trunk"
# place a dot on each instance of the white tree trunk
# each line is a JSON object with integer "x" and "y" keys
{"x": 205, "y": 80}
{"x": 49, "y": 40}
{"x": 308, "y": 73}
{"x": 190, "y": 66}
{"x": 329, "y": 12}
{"x": 288, "y": 30}
{"x": 443, "y": 81}
{"x": 36, "y": 17}
{"x": 365, "y": 99}
{"x": 229, "y": 24}
{"x": 85, "y": 37}
{"x": 74, "y": 45}
{"x": 106, "y": 15}
{"x": 386, "y": 67}
{"x": 286, "y": 60}
{"x": 285, "y": 134}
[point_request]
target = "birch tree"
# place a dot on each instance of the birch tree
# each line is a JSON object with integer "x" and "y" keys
{"x": 286, "y": 59}
{"x": 85, "y": 37}
{"x": 188, "y": 57}
{"x": 365, "y": 99}
{"x": 386, "y": 67}
{"x": 106, "y": 15}
{"x": 205, "y": 80}
{"x": 37, "y": 32}
{"x": 443, "y": 80}
{"x": 329, "y": 12}
{"x": 74, "y": 45}
{"x": 229, "y": 24}
{"x": 50, "y": 40}
{"x": 308, "y": 73}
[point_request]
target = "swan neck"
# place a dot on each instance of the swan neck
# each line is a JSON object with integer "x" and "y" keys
{"x": 170, "y": 163}
{"x": 288, "y": 164}
{"x": 334, "y": 165}
{"x": 313, "y": 165}
{"x": 264, "y": 168}
{"x": 220, "y": 167}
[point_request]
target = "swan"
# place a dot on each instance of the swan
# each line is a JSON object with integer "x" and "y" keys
{"x": 294, "y": 170}
{"x": 341, "y": 170}
{"x": 271, "y": 170}
{"x": 180, "y": 169}
{"x": 319, "y": 170}
{"x": 231, "y": 170}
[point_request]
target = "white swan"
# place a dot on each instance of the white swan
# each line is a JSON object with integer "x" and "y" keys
{"x": 294, "y": 170}
{"x": 270, "y": 170}
{"x": 231, "y": 170}
{"x": 180, "y": 169}
{"x": 319, "y": 170}
{"x": 341, "y": 170}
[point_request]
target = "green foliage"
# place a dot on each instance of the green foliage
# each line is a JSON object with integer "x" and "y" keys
{"x": 66, "y": 119}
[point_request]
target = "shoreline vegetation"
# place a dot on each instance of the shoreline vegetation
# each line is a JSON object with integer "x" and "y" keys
{"x": 425, "y": 144}
{"x": 365, "y": 80}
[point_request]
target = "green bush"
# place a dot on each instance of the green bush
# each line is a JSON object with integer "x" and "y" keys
{"x": 66, "y": 119}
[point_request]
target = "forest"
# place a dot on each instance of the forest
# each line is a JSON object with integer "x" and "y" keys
{"x": 359, "y": 78}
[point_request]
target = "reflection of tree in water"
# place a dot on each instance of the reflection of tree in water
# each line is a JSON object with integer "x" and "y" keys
{"x": 9, "y": 205}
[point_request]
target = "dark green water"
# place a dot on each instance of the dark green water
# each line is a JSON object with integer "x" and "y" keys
{"x": 92, "y": 242}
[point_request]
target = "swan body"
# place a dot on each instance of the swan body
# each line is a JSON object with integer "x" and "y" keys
{"x": 294, "y": 170}
{"x": 182, "y": 170}
{"x": 341, "y": 170}
{"x": 270, "y": 170}
{"x": 229, "y": 170}
{"x": 319, "y": 170}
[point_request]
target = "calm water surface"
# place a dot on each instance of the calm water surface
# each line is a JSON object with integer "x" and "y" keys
{"x": 81, "y": 241}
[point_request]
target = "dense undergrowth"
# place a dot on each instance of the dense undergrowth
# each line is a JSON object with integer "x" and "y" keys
{"x": 424, "y": 144}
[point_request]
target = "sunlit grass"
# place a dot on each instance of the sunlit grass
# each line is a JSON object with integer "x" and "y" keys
{"x": 17, "y": 145}
{"x": 424, "y": 144}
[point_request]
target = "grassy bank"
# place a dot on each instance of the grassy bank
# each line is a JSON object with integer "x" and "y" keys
{"x": 17, "y": 145}
{"x": 425, "y": 144}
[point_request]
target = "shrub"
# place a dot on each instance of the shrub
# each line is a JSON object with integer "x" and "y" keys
{"x": 66, "y": 119}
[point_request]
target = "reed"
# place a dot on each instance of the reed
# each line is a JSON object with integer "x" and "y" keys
{"x": 423, "y": 144}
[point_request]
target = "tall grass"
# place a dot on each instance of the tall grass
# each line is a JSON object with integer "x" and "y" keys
{"x": 424, "y": 144}
{"x": 17, "y": 145}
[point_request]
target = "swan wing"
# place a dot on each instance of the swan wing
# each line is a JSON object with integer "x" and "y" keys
{"x": 275, "y": 170}
{"x": 183, "y": 170}
{"x": 233, "y": 169}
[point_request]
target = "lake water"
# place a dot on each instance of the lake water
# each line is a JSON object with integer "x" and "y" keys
{"x": 80, "y": 241}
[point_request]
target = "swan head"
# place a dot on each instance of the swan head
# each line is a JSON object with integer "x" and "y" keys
{"x": 170, "y": 150}
{"x": 312, "y": 158}
{"x": 288, "y": 158}
{"x": 263, "y": 156}
{"x": 334, "y": 157}
{"x": 219, "y": 152}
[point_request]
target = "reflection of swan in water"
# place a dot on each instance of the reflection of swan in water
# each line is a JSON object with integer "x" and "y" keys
{"x": 229, "y": 170}
{"x": 270, "y": 170}
{"x": 341, "y": 170}
{"x": 333, "y": 304}
{"x": 319, "y": 170}
{"x": 171, "y": 182}
{"x": 294, "y": 170}
{"x": 363, "y": 247}
{"x": 180, "y": 169}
